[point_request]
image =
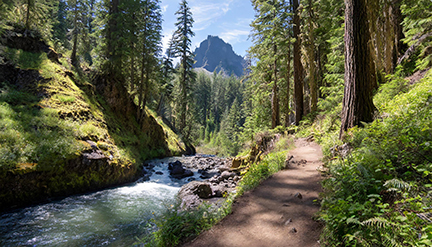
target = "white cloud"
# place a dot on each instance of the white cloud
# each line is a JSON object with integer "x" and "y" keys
{"x": 165, "y": 39}
{"x": 235, "y": 32}
{"x": 234, "y": 36}
{"x": 207, "y": 13}
{"x": 164, "y": 9}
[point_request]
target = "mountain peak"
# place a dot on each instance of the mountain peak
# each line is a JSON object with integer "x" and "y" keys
{"x": 215, "y": 54}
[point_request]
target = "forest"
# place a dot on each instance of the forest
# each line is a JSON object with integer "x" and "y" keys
{"x": 354, "y": 75}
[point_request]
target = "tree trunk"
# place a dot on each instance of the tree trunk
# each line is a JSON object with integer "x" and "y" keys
{"x": 288, "y": 79}
{"x": 132, "y": 71}
{"x": 183, "y": 104}
{"x": 142, "y": 85}
{"x": 359, "y": 68}
{"x": 160, "y": 104}
{"x": 146, "y": 92}
{"x": 298, "y": 67}
{"x": 312, "y": 79}
{"x": 397, "y": 18}
{"x": 27, "y": 23}
{"x": 112, "y": 54}
{"x": 275, "y": 97}
{"x": 74, "y": 59}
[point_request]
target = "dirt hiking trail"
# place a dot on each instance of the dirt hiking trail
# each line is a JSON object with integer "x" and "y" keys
{"x": 278, "y": 212}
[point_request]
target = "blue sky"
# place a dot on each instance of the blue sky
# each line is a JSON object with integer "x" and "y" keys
{"x": 228, "y": 19}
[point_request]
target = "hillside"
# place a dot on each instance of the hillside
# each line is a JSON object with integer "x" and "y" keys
{"x": 64, "y": 131}
{"x": 215, "y": 54}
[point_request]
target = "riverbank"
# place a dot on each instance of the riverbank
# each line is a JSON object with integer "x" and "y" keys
{"x": 114, "y": 216}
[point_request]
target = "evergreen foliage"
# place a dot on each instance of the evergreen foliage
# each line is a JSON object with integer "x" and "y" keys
{"x": 418, "y": 31}
{"x": 181, "y": 42}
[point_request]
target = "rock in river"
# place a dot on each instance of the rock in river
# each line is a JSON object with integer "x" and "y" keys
{"x": 177, "y": 170}
{"x": 191, "y": 194}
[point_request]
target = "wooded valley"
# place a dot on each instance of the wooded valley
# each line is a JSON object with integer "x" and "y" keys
{"x": 353, "y": 75}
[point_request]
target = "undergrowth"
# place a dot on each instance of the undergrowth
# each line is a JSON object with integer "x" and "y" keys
{"x": 380, "y": 194}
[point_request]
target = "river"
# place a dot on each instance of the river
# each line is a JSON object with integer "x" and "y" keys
{"x": 111, "y": 217}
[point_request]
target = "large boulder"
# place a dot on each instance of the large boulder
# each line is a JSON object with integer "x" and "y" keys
{"x": 177, "y": 170}
{"x": 191, "y": 194}
{"x": 201, "y": 189}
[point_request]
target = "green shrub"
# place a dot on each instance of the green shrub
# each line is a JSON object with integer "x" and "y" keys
{"x": 176, "y": 226}
{"x": 373, "y": 196}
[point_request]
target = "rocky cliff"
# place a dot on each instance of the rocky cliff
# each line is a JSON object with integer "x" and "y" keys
{"x": 215, "y": 54}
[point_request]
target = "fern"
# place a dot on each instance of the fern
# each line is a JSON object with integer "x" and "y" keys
{"x": 397, "y": 185}
{"x": 379, "y": 223}
{"x": 363, "y": 171}
{"x": 390, "y": 241}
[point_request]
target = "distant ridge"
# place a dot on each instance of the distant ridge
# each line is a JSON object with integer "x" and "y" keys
{"x": 215, "y": 54}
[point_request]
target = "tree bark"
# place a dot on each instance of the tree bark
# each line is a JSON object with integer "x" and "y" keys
{"x": 298, "y": 67}
{"x": 27, "y": 23}
{"x": 288, "y": 79}
{"x": 312, "y": 78}
{"x": 359, "y": 68}
{"x": 112, "y": 54}
{"x": 275, "y": 97}
{"x": 74, "y": 59}
{"x": 397, "y": 18}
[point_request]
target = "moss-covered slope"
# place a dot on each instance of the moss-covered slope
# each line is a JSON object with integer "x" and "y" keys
{"x": 60, "y": 133}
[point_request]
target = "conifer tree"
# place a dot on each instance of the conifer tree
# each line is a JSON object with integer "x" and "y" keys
{"x": 181, "y": 48}
{"x": 60, "y": 27}
{"x": 166, "y": 87}
{"x": 39, "y": 15}
{"x": 298, "y": 67}
{"x": 358, "y": 106}
{"x": 150, "y": 21}
{"x": 77, "y": 11}
{"x": 310, "y": 45}
{"x": 270, "y": 34}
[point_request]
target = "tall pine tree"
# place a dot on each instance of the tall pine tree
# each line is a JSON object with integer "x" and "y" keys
{"x": 150, "y": 21}
{"x": 181, "y": 48}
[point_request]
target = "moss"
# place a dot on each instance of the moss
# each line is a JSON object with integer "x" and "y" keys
{"x": 46, "y": 119}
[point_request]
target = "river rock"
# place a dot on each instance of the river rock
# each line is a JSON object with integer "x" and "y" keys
{"x": 226, "y": 175}
{"x": 206, "y": 174}
{"x": 190, "y": 201}
{"x": 218, "y": 190}
{"x": 191, "y": 194}
{"x": 214, "y": 179}
{"x": 187, "y": 173}
{"x": 96, "y": 156}
{"x": 92, "y": 144}
{"x": 178, "y": 171}
{"x": 173, "y": 165}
